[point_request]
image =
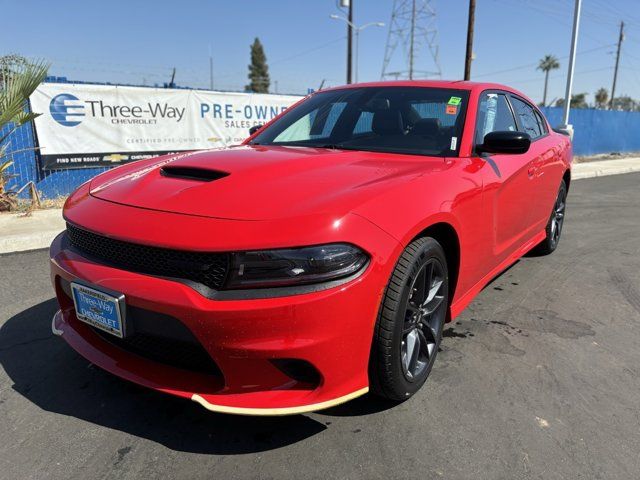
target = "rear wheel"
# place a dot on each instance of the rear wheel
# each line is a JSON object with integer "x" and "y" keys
{"x": 409, "y": 326}
{"x": 555, "y": 223}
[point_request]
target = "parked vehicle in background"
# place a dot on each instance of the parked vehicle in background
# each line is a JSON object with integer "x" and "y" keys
{"x": 318, "y": 260}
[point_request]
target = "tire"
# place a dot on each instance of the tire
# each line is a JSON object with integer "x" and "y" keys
{"x": 408, "y": 330}
{"x": 555, "y": 223}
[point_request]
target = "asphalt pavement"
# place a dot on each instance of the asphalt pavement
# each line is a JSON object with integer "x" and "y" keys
{"x": 539, "y": 378}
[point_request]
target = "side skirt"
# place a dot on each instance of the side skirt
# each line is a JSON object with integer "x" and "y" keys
{"x": 459, "y": 305}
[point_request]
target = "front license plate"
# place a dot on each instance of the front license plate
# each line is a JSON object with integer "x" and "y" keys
{"x": 98, "y": 309}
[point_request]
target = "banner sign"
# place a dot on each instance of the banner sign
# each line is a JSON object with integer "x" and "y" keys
{"x": 85, "y": 126}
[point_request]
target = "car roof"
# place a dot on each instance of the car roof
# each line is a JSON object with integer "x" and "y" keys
{"x": 454, "y": 84}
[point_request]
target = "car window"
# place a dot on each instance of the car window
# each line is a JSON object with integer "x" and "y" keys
{"x": 364, "y": 123}
{"x": 494, "y": 115}
{"x": 527, "y": 116}
{"x": 412, "y": 120}
{"x": 435, "y": 110}
{"x": 317, "y": 124}
{"x": 541, "y": 122}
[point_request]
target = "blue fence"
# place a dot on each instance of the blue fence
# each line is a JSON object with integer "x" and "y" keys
{"x": 26, "y": 167}
{"x": 600, "y": 131}
{"x": 596, "y": 131}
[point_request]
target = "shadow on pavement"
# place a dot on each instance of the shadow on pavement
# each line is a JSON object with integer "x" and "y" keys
{"x": 47, "y": 372}
{"x": 365, "y": 405}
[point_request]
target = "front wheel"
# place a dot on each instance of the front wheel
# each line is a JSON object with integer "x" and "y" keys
{"x": 555, "y": 223}
{"x": 409, "y": 326}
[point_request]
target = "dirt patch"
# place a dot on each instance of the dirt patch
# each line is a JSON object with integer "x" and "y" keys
{"x": 605, "y": 156}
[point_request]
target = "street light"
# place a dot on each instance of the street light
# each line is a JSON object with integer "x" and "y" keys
{"x": 357, "y": 30}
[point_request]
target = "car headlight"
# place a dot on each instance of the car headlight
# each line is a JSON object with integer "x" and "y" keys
{"x": 294, "y": 266}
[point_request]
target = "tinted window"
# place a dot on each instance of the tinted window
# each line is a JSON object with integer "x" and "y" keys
{"x": 541, "y": 122}
{"x": 411, "y": 120}
{"x": 317, "y": 124}
{"x": 494, "y": 115}
{"x": 363, "y": 125}
{"x": 527, "y": 117}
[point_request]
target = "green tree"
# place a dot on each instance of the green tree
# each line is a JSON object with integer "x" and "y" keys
{"x": 11, "y": 63}
{"x": 578, "y": 100}
{"x": 626, "y": 104}
{"x": 18, "y": 80}
{"x": 548, "y": 63}
{"x": 258, "y": 69}
{"x": 601, "y": 98}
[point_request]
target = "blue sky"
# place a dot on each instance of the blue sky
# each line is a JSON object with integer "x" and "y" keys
{"x": 139, "y": 41}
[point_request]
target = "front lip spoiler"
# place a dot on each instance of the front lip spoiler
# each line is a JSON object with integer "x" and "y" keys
{"x": 247, "y": 411}
{"x": 282, "y": 411}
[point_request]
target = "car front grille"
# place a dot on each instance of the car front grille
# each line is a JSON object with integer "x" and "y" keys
{"x": 185, "y": 355}
{"x": 209, "y": 269}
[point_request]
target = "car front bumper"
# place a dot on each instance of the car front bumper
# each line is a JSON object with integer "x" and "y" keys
{"x": 330, "y": 330}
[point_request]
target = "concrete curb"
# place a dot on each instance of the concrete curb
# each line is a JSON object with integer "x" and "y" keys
{"x": 18, "y": 234}
{"x": 584, "y": 170}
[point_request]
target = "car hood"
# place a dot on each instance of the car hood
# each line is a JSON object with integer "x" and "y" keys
{"x": 259, "y": 183}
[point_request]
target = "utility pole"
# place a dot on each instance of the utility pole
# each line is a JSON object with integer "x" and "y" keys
{"x": 210, "y": 69}
{"x": 572, "y": 63}
{"x": 469, "y": 54}
{"x": 349, "y": 40}
{"x": 411, "y": 38}
{"x": 615, "y": 71}
{"x": 357, "y": 29}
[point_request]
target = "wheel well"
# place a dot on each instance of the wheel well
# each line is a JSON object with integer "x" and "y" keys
{"x": 567, "y": 178}
{"x": 446, "y": 236}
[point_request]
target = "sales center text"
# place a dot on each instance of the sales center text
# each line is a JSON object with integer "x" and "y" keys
{"x": 123, "y": 114}
{"x": 245, "y": 117}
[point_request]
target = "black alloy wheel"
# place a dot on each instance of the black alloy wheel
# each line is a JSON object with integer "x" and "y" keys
{"x": 555, "y": 223}
{"x": 409, "y": 326}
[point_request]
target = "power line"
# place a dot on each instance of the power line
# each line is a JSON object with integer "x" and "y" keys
{"x": 583, "y": 72}
{"x": 529, "y": 65}
{"x": 551, "y": 13}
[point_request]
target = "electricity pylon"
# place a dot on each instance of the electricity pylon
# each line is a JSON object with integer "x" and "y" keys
{"x": 413, "y": 29}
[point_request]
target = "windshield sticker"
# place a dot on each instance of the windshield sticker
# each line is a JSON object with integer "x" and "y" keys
{"x": 451, "y": 110}
{"x": 454, "y": 101}
{"x": 454, "y": 143}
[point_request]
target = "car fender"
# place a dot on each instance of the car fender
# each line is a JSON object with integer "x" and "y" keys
{"x": 452, "y": 196}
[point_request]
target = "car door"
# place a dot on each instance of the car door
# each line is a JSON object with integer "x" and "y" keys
{"x": 544, "y": 181}
{"x": 509, "y": 186}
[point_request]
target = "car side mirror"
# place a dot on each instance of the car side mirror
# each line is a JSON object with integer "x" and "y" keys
{"x": 255, "y": 128}
{"x": 505, "y": 142}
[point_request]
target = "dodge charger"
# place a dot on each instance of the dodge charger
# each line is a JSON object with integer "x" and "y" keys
{"x": 320, "y": 259}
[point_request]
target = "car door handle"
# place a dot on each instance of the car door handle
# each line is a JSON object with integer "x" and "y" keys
{"x": 532, "y": 171}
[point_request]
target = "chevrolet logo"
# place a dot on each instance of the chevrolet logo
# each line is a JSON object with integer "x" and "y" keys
{"x": 115, "y": 157}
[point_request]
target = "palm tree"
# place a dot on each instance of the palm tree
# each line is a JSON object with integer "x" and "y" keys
{"x": 548, "y": 63}
{"x": 602, "y": 98}
{"x": 17, "y": 82}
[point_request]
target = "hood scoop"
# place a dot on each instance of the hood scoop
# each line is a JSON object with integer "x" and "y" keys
{"x": 192, "y": 173}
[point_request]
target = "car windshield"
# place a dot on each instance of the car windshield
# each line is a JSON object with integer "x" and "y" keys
{"x": 409, "y": 120}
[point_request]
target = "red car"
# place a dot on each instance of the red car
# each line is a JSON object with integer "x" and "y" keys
{"x": 318, "y": 260}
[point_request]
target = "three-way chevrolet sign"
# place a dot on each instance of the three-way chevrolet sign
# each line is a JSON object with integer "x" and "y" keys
{"x": 84, "y": 125}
